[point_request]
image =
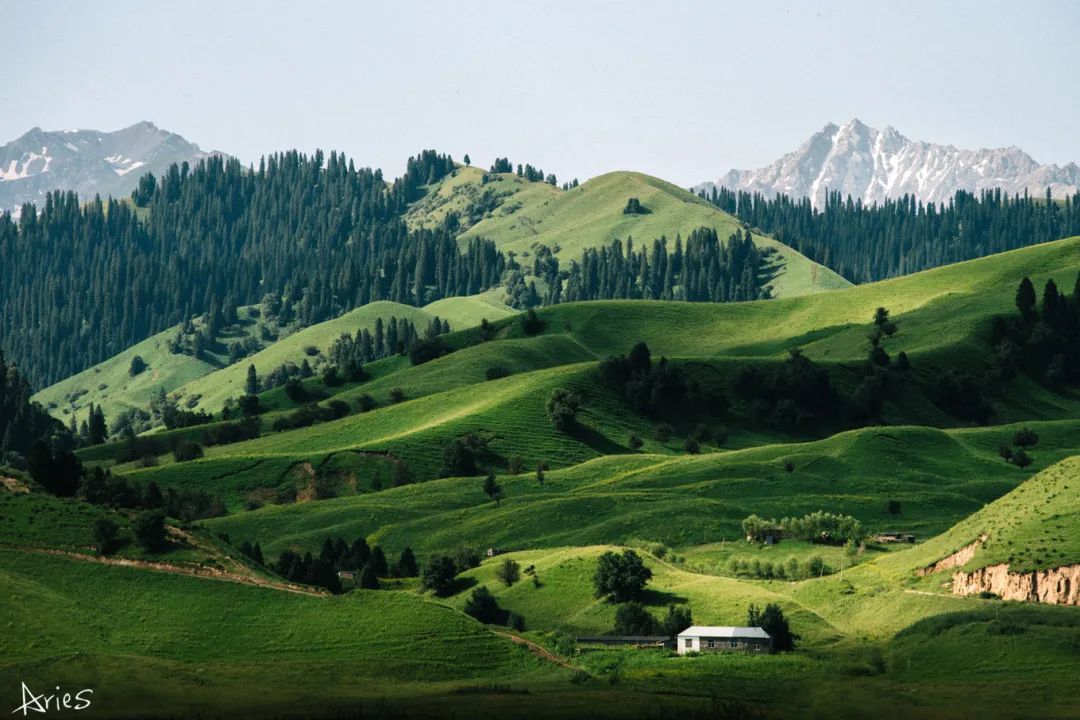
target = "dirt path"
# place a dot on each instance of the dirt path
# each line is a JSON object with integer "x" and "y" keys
{"x": 537, "y": 650}
{"x": 190, "y": 570}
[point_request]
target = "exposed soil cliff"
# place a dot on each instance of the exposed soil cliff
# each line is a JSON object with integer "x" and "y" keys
{"x": 1058, "y": 586}
{"x": 957, "y": 559}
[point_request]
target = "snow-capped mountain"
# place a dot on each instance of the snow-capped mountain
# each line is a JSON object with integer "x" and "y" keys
{"x": 871, "y": 164}
{"x": 86, "y": 161}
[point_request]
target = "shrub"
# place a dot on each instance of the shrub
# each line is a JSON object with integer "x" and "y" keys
{"x": 508, "y": 572}
{"x": 631, "y": 618}
{"x": 1025, "y": 438}
{"x": 562, "y": 408}
{"x": 772, "y": 621}
{"x": 483, "y": 606}
{"x": 635, "y": 442}
{"x": 294, "y": 390}
{"x": 187, "y": 450}
{"x": 496, "y": 371}
{"x": 365, "y": 403}
{"x": 438, "y": 576}
{"x": 149, "y": 528}
{"x": 138, "y": 365}
{"x": 531, "y": 324}
{"x": 105, "y": 531}
{"x": 397, "y": 395}
{"x": 663, "y": 431}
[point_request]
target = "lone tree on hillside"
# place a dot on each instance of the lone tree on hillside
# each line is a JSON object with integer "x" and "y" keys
{"x": 508, "y": 572}
{"x": 105, "y": 531}
{"x": 138, "y": 365}
{"x": 531, "y": 323}
{"x": 406, "y": 564}
{"x": 634, "y": 207}
{"x": 149, "y": 527}
{"x": 1025, "y": 299}
{"x": 251, "y": 387}
{"x": 562, "y": 408}
{"x": 483, "y": 606}
{"x": 772, "y": 621}
{"x": 1021, "y": 459}
{"x": 620, "y": 577}
{"x": 1025, "y": 438}
{"x": 492, "y": 488}
{"x": 881, "y": 316}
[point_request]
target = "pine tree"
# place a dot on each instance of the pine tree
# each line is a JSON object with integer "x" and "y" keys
{"x": 251, "y": 387}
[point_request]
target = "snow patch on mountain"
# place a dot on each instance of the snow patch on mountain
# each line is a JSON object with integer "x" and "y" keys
{"x": 86, "y": 161}
{"x": 872, "y": 165}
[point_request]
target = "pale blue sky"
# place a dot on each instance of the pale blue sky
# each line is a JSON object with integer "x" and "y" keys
{"x": 680, "y": 90}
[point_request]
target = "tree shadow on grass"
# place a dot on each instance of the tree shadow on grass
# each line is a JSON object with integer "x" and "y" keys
{"x": 461, "y": 584}
{"x": 596, "y": 440}
{"x": 650, "y": 596}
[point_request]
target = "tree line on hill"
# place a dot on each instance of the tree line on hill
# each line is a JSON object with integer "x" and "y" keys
{"x": 313, "y": 230}
{"x": 310, "y": 235}
{"x": 900, "y": 236}
{"x": 22, "y": 422}
{"x": 707, "y": 269}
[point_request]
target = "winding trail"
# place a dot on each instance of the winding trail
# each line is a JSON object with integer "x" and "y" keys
{"x": 189, "y": 570}
{"x": 537, "y": 650}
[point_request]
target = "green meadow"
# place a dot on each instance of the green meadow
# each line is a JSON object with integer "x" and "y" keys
{"x": 200, "y": 631}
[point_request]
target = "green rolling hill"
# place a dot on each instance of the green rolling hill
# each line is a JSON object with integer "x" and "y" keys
{"x": 110, "y": 384}
{"x": 590, "y": 215}
{"x": 875, "y": 630}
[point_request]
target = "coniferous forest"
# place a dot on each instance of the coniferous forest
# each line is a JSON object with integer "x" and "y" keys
{"x": 93, "y": 279}
{"x": 873, "y": 242}
{"x": 320, "y": 236}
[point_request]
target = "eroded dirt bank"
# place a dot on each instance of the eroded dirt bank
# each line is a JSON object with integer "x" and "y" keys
{"x": 1058, "y": 586}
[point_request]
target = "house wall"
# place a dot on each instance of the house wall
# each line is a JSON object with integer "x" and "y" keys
{"x": 702, "y": 645}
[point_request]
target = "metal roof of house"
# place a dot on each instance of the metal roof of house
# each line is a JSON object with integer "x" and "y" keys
{"x": 724, "y": 632}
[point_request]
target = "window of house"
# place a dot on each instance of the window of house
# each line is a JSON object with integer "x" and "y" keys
{"x": 712, "y": 643}
{"x": 689, "y": 643}
{"x": 734, "y": 643}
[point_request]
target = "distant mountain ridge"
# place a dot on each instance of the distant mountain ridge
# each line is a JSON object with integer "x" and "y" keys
{"x": 864, "y": 162}
{"x": 87, "y": 161}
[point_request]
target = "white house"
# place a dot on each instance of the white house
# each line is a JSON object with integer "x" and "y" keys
{"x": 705, "y": 638}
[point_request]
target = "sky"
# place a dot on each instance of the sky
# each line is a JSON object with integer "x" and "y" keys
{"x": 681, "y": 90}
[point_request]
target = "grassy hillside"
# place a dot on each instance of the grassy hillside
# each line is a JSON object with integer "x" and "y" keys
{"x": 877, "y": 638}
{"x": 592, "y": 214}
{"x": 939, "y": 477}
{"x": 469, "y": 311}
{"x": 1034, "y": 527}
{"x": 110, "y": 385}
{"x": 213, "y": 389}
{"x": 465, "y": 193}
{"x": 118, "y": 620}
{"x": 936, "y": 308}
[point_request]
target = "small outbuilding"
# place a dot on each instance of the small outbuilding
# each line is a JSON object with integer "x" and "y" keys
{"x": 708, "y": 638}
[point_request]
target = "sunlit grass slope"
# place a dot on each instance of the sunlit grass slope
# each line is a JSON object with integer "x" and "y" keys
{"x": 938, "y": 477}
{"x": 591, "y": 215}
{"x": 213, "y": 389}
{"x": 260, "y": 649}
